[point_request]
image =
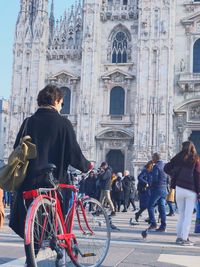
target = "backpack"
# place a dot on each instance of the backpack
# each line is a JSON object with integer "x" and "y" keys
{"x": 118, "y": 186}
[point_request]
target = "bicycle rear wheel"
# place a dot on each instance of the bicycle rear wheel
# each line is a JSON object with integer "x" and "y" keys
{"x": 92, "y": 234}
{"x": 43, "y": 249}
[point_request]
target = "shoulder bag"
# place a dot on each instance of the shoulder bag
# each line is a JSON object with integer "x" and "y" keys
{"x": 13, "y": 173}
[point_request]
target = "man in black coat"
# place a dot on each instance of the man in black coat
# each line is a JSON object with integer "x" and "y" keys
{"x": 56, "y": 143}
{"x": 127, "y": 189}
{"x": 105, "y": 184}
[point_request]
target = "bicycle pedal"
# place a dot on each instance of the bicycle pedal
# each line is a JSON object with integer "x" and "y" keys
{"x": 88, "y": 255}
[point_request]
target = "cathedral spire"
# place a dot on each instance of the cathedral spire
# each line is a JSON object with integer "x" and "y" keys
{"x": 51, "y": 20}
{"x": 24, "y": 5}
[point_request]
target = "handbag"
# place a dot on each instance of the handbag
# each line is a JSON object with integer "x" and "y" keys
{"x": 13, "y": 173}
{"x": 171, "y": 195}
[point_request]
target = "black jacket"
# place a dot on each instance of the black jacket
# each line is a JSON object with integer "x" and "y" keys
{"x": 183, "y": 173}
{"x": 127, "y": 184}
{"x": 90, "y": 186}
{"x": 56, "y": 143}
{"x": 105, "y": 179}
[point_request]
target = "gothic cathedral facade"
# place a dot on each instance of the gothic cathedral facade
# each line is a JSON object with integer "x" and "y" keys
{"x": 129, "y": 69}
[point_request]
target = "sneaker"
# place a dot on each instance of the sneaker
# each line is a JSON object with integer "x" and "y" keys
{"x": 152, "y": 226}
{"x": 113, "y": 213}
{"x": 161, "y": 229}
{"x": 170, "y": 214}
{"x": 179, "y": 240}
{"x": 187, "y": 243}
{"x": 124, "y": 210}
{"x": 136, "y": 217}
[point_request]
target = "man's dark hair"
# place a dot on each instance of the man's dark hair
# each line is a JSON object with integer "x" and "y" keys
{"x": 103, "y": 164}
{"x": 49, "y": 95}
{"x": 156, "y": 156}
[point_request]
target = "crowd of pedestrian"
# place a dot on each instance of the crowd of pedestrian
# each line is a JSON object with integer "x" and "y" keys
{"x": 113, "y": 190}
{"x": 176, "y": 184}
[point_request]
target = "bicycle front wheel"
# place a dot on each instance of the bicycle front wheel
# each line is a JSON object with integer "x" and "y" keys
{"x": 43, "y": 224}
{"x": 92, "y": 234}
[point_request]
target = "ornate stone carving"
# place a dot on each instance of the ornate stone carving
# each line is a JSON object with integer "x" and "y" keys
{"x": 182, "y": 65}
{"x": 85, "y": 106}
{"x": 198, "y": 27}
{"x": 180, "y": 119}
{"x": 119, "y": 12}
{"x": 166, "y": 2}
{"x": 84, "y": 141}
{"x": 116, "y": 143}
{"x": 117, "y": 77}
{"x": 163, "y": 27}
{"x": 115, "y": 135}
{"x": 63, "y": 79}
{"x": 194, "y": 112}
{"x": 161, "y": 138}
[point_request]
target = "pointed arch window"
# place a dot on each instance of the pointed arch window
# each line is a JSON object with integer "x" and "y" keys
{"x": 78, "y": 37}
{"x": 117, "y": 99}
{"x": 119, "y": 48}
{"x": 66, "y": 100}
{"x": 196, "y": 56}
{"x": 70, "y": 41}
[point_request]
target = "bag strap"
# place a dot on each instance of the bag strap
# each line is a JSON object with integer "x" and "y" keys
{"x": 24, "y": 131}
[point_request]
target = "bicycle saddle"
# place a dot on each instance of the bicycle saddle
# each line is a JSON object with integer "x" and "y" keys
{"x": 50, "y": 167}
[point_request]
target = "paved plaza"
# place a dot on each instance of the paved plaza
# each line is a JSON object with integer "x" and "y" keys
{"x": 127, "y": 249}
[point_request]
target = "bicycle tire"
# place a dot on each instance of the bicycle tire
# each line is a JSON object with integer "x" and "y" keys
{"x": 42, "y": 233}
{"x": 94, "y": 246}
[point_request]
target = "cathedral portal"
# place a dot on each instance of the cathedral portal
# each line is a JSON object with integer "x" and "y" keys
{"x": 115, "y": 159}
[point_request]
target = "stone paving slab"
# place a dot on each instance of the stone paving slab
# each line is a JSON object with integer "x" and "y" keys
{"x": 128, "y": 248}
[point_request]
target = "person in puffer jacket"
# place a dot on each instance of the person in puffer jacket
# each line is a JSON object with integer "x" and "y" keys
{"x": 158, "y": 193}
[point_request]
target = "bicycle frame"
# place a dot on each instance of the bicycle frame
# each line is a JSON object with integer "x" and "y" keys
{"x": 67, "y": 224}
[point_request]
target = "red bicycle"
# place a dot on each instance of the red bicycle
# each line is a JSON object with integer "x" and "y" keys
{"x": 83, "y": 234}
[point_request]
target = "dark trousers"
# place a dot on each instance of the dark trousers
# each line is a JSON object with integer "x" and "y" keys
{"x": 117, "y": 204}
{"x": 158, "y": 195}
{"x": 126, "y": 199}
{"x": 132, "y": 202}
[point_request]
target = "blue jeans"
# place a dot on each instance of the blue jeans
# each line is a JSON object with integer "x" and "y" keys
{"x": 158, "y": 196}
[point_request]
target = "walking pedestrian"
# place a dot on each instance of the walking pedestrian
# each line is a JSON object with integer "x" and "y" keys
{"x": 105, "y": 175}
{"x": 90, "y": 185}
{"x": 184, "y": 169}
{"x": 143, "y": 187}
{"x": 117, "y": 191}
{"x": 127, "y": 189}
{"x": 158, "y": 193}
{"x": 132, "y": 194}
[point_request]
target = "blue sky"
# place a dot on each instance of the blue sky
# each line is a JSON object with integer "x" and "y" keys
{"x": 9, "y": 10}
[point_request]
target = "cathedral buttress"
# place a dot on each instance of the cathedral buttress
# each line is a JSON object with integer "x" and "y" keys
{"x": 31, "y": 40}
{"x": 90, "y": 71}
{"x": 155, "y": 78}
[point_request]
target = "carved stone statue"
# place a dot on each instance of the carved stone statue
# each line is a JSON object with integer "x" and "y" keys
{"x": 182, "y": 65}
{"x": 163, "y": 27}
